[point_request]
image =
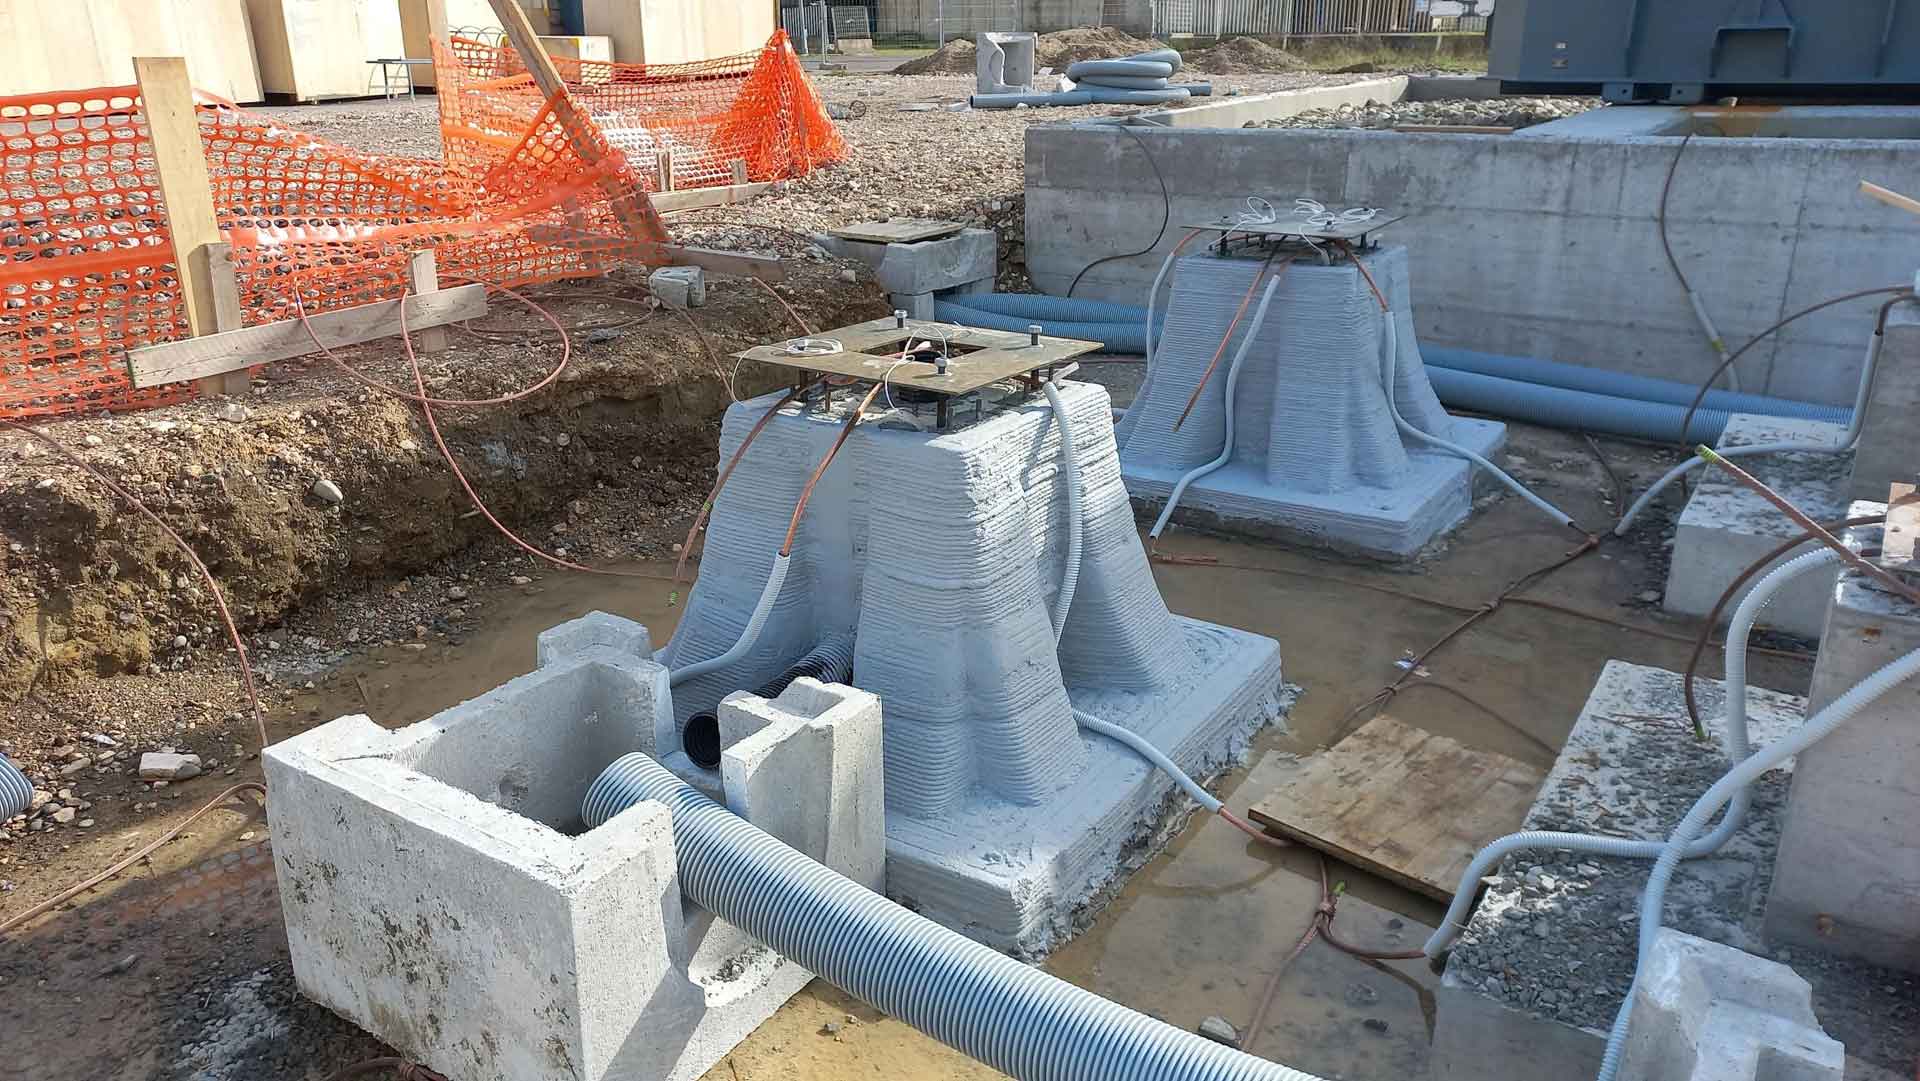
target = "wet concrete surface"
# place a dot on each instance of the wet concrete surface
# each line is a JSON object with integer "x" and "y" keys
{"x": 1198, "y": 931}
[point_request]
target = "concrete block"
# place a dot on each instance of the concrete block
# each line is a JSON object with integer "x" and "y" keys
{"x": 809, "y": 773}
{"x": 916, "y": 305}
{"x": 1888, "y": 451}
{"x": 927, "y": 266}
{"x": 1004, "y": 820}
{"x": 439, "y": 890}
{"x": 1004, "y": 62}
{"x": 1726, "y": 526}
{"x": 1847, "y": 880}
{"x": 1548, "y": 955}
{"x": 1316, "y": 458}
{"x": 1707, "y": 1012}
{"x": 594, "y": 632}
{"x": 679, "y": 286}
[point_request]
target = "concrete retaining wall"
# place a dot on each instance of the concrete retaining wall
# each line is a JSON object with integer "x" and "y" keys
{"x": 1543, "y": 246}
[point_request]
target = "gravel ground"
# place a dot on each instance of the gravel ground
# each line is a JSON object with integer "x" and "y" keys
{"x": 1504, "y": 112}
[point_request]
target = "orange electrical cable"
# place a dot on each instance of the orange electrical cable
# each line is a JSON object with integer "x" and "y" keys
{"x": 806, "y": 493}
{"x": 1227, "y": 337}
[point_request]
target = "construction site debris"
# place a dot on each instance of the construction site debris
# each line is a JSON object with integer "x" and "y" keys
{"x": 1055, "y": 50}
{"x": 1492, "y": 112}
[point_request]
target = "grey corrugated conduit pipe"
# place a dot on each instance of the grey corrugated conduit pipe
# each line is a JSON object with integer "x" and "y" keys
{"x": 1652, "y": 901}
{"x": 16, "y": 791}
{"x": 1390, "y": 367}
{"x": 1733, "y": 737}
{"x": 1226, "y": 445}
{"x": 1070, "y": 576}
{"x": 1868, "y": 367}
{"x": 1014, "y": 1018}
{"x": 748, "y": 635}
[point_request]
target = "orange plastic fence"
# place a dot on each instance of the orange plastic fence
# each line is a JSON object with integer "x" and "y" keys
{"x": 87, "y": 270}
{"x": 695, "y": 119}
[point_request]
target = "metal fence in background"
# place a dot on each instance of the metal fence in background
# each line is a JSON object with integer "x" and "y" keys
{"x": 938, "y": 20}
{"x": 1316, "y": 18}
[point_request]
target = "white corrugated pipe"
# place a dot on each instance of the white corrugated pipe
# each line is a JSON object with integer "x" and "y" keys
{"x": 1390, "y": 367}
{"x": 1861, "y": 392}
{"x": 1734, "y": 738}
{"x": 1820, "y": 726}
{"x": 1226, "y": 445}
{"x": 748, "y": 635}
{"x": 1070, "y": 577}
{"x": 1013, "y": 1017}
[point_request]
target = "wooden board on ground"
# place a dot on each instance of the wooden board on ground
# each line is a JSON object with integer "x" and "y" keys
{"x": 870, "y": 351}
{"x": 196, "y": 358}
{"x": 1403, "y": 803}
{"x": 897, "y": 231}
{"x": 666, "y": 202}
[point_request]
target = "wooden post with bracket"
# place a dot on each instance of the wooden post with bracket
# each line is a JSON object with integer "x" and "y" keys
{"x": 203, "y": 261}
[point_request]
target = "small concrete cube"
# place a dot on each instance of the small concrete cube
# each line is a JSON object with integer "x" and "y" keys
{"x": 1707, "y": 1012}
{"x": 679, "y": 286}
{"x": 916, "y": 305}
{"x": 440, "y": 890}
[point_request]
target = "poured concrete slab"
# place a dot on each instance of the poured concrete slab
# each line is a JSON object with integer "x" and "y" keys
{"x": 1726, "y": 525}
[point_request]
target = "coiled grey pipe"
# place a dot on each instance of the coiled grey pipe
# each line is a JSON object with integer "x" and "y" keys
{"x": 1070, "y": 576}
{"x": 1014, "y": 1018}
{"x": 1123, "y": 82}
{"x": 1155, "y": 65}
{"x": 1733, "y": 738}
{"x": 1226, "y": 445}
{"x": 1391, "y": 364}
{"x": 1868, "y": 367}
{"x": 1653, "y": 900}
{"x": 16, "y": 791}
{"x": 748, "y": 635}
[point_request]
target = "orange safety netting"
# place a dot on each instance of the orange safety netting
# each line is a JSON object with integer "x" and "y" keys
{"x": 87, "y": 269}
{"x": 680, "y": 125}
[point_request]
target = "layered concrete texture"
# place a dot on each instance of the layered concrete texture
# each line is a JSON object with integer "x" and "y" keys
{"x": 1848, "y": 877}
{"x": 439, "y": 891}
{"x": 1544, "y": 246}
{"x": 1533, "y": 983}
{"x": 1707, "y": 1012}
{"x": 1316, "y": 456}
{"x": 943, "y": 554}
{"x": 1726, "y": 526}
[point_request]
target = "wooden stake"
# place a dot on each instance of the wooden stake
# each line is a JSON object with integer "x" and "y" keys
{"x": 166, "y": 102}
{"x": 1890, "y": 197}
{"x": 424, "y": 278}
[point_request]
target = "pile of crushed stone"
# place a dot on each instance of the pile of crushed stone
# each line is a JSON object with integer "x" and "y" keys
{"x": 1498, "y": 112}
{"x": 1055, "y": 50}
{"x": 1244, "y": 56}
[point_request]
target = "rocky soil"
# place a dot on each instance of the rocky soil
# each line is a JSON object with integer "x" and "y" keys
{"x": 1502, "y": 112}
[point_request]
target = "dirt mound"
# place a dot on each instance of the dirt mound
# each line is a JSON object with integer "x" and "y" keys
{"x": 1244, "y": 56}
{"x": 1055, "y": 50}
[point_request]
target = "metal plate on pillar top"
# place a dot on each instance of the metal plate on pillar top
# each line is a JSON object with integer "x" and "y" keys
{"x": 977, "y": 357}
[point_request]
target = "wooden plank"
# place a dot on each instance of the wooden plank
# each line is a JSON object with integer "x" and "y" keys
{"x": 195, "y": 358}
{"x": 1403, "y": 803}
{"x": 1890, "y": 197}
{"x": 166, "y": 95}
{"x": 1455, "y": 129}
{"x": 423, "y": 279}
{"x": 897, "y": 231}
{"x": 663, "y": 162}
{"x": 667, "y": 202}
{"x": 227, "y": 314}
{"x": 737, "y": 168}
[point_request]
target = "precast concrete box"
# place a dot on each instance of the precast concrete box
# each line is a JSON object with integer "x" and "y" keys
{"x": 441, "y": 892}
